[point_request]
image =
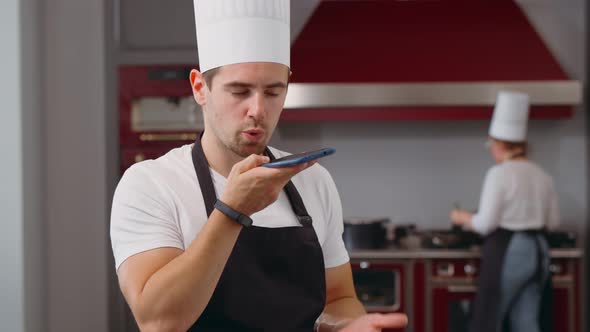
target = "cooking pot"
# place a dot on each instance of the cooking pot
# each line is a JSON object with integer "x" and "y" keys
{"x": 364, "y": 233}
{"x": 406, "y": 237}
{"x": 455, "y": 238}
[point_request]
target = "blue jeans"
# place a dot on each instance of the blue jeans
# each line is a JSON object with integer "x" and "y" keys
{"x": 521, "y": 285}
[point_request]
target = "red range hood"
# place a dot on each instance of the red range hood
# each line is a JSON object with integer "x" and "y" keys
{"x": 421, "y": 59}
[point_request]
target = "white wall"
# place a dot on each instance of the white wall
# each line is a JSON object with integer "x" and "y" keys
{"x": 11, "y": 192}
{"x": 33, "y": 166}
{"x": 561, "y": 24}
{"x": 53, "y": 244}
{"x": 75, "y": 144}
{"x": 413, "y": 172}
{"x": 22, "y": 295}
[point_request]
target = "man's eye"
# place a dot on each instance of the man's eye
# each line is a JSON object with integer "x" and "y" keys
{"x": 239, "y": 93}
{"x": 272, "y": 93}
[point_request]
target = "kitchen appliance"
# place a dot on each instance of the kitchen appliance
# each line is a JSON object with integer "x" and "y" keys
{"x": 439, "y": 282}
{"x": 561, "y": 239}
{"x": 364, "y": 233}
{"x": 406, "y": 237}
{"x": 424, "y": 60}
{"x": 458, "y": 238}
{"x": 157, "y": 112}
{"x": 455, "y": 238}
{"x": 451, "y": 285}
{"x": 379, "y": 285}
{"x": 452, "y": 289}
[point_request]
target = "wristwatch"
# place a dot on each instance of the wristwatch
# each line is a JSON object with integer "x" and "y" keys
{"x": 232, "y": 214}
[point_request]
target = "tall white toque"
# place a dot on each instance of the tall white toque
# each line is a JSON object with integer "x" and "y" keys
{"x": 238, "y": 31}
{"x": 510, "y": 119}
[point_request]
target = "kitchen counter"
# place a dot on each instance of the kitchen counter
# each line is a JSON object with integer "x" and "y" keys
{"x": 430, "y": 284}
{"x": 443, "y": 253}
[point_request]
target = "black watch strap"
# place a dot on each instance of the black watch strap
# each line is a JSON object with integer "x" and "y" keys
{"x": 232, "y": 214}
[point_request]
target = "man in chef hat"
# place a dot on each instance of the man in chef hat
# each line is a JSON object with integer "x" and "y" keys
{"x": 204, "y": 239}
{"x": 518, "y": 202}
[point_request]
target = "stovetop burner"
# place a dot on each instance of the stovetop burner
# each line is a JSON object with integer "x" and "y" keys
{"x": 407, "y": 237}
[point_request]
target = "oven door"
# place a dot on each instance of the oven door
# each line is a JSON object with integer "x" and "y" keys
{"x": 452, "y": 289}
{"x": 378, "y": 285}
{"x": 451, "y": 307}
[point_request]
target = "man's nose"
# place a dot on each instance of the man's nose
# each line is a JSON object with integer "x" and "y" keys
{"x": 256, "y": 109}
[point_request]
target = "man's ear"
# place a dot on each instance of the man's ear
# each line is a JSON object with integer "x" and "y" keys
{"x": 198, "y": 86}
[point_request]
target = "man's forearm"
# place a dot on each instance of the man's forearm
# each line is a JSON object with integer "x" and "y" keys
{"x": 176, "y": 295}
{"x": 339, "y": 313}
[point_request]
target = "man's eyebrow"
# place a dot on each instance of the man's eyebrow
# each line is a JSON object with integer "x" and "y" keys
{"x": 276, "y": 85}
{"x": 238, "y": 84}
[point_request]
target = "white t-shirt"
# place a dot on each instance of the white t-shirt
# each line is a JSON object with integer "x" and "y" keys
{"x": 158, "y": 203}
{"x": 516, "y": 195}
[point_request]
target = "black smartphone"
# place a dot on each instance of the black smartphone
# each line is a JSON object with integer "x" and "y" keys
{"x": 299, "y": 158}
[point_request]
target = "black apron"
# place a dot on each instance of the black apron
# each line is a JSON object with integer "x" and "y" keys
{"x": 486, "y": 307}
{"x": 274, "y": 279}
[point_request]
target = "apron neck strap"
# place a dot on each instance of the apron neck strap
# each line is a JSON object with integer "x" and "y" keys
{"x": 294, "y": 198}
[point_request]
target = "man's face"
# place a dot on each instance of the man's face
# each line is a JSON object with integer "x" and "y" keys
{"x": 244, "y": 103}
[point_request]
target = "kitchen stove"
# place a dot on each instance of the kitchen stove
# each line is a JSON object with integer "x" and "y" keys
{"x": 408, "y": 237}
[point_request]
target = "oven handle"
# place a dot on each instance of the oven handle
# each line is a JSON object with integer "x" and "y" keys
{"x": 167, "y": 137}
{"x": 462, "y": 289}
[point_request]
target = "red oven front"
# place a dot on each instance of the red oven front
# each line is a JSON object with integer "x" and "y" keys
{"x": 157, "y": 112}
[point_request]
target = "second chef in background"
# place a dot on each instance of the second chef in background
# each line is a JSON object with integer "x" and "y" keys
{"x": 518, "y": 202}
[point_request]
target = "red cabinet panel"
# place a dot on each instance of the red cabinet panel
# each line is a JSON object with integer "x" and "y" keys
{"x": 450, "y": 308}
{"x": 419, "y": 293}
{"x": 562, "y": 309}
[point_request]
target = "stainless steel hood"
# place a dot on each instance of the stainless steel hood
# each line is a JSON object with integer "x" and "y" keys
{"x": 422, "y": 53}
{"x": 306, "y": 95}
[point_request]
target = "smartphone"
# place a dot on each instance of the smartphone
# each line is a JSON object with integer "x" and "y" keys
{"x": 299, "y": 158}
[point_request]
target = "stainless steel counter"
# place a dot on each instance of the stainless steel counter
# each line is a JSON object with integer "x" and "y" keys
{"x": 442, "y": 253}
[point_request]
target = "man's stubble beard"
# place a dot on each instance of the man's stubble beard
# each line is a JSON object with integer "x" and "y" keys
{"x": 241, "y": 148}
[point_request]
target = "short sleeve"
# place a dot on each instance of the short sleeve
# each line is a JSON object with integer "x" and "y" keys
{"x": 142, "y": 217}
{"x": 335, "y": 252}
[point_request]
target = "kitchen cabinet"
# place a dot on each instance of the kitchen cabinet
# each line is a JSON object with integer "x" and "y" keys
{"x": 154, "y": 31}
{"x": 566, "y": 295}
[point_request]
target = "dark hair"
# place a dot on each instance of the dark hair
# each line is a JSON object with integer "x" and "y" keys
{"x": 209, "y": 75}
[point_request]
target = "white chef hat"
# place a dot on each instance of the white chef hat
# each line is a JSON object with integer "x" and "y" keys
{"x": 237, "y": 31}
{"x": 509, "y": 122}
